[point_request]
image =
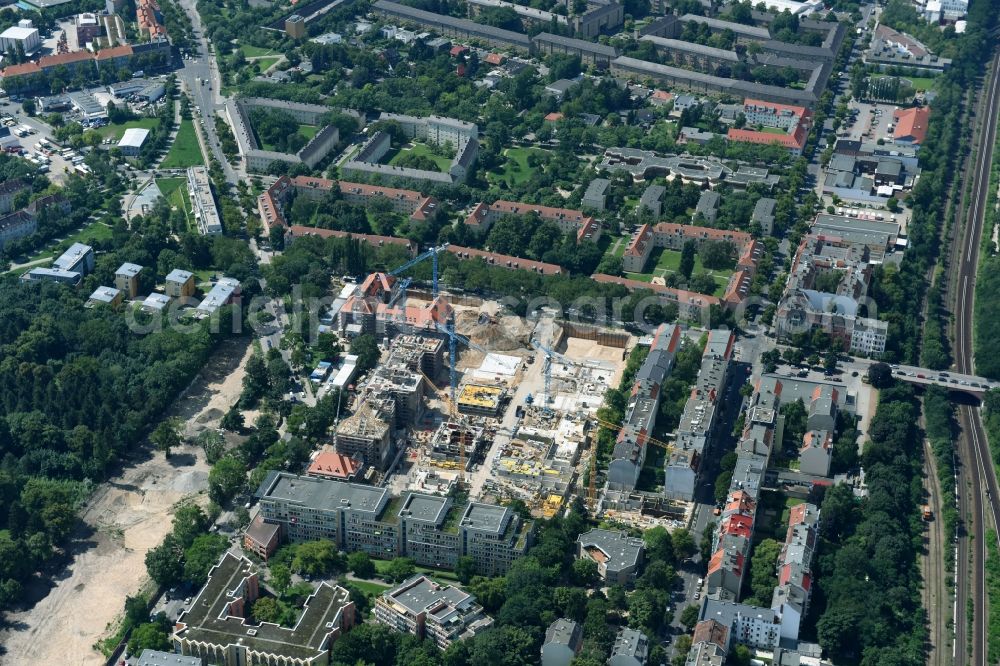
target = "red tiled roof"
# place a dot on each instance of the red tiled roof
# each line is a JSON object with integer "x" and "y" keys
{"x": 64, "y": 58}
{"x": 458, "y": 50}
{"x": 911, "y": 124}
{"x": 371, "y": 239}
{"x": 794, "y": 140}
{"x": 22, "y": 69}
{"x": 681, "y": 296}
{"x": 115, "y": 52}
{"x": 495, "y": 58}
{"x": 555, "y": 116}
{"x": 333, "y": 465}
{"x": 506, "y": 260}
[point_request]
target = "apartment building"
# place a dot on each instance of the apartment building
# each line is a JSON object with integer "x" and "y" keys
{"x": 795, "y": 578}
{"x": 640, "y": 415}
{"x": 683, "y": 464}
{"x": 216, "y": 626}
{"x": 127, "y": 279}
{"x": 585, "y": 227}
{"x": 206, "y": 214}
{"x": 179, "y": 283}
{"x": 563, "y": 640}
{"x": 748, "y": 625}
{"x": 431, "y": 530}
{"x": 439, "y": 613}
{"x": 804, "y": 307}
{"x": 631, "y": 648}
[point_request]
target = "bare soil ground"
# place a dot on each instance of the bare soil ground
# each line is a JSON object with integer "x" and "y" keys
{"x": 124, "y": 518}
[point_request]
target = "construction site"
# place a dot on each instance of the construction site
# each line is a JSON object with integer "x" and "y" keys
{"x": 469, "y": 394}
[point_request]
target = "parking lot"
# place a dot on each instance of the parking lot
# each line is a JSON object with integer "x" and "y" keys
{"x": 872, "y": 122}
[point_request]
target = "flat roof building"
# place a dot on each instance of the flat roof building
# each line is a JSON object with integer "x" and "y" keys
{"x": 618, "y": 556}
{"x": 132, "y": 141}
{"x": 631, "y": 648}
{"x": 215, "y": 626}
{"x": 205, "y": 212}
{"x": 563, "y": 640}
{"x": 127, "y": 279}
{"x": 159, "y": 658}
{"x": 179, "y": 283}
{"x": 105, "y": 296}
{"x": 223, "y": 293}
{"x": 431, "y": 530}
{"x": 442, "y": 614}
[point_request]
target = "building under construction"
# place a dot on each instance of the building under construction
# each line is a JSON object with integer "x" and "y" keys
{"x": 481, "y": 400}
{"x": 368, "y": 432}
{"x": 450, "y": 438}
{"x": 419, "y": 353}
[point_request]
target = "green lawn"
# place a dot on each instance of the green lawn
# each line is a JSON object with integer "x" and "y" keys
{"x": 115, "y": 131}
{"x": 174, "y": 190}
{"x": 374, "y": 589}
{"x": 255, "y": 51}
{"x": 773, "y": 130}
{"x": 921, "y": 82}
{"x": 382, "y": 565}
{"x": 669, "y": 261}
{"x": 266, "y": 62}
{"x": 516, "y": 170}
{"x": 308, "y": 131}
{"x": 415, "y": 148}
{"x": 96, "y": 231}
{"x": 186, "y": 151}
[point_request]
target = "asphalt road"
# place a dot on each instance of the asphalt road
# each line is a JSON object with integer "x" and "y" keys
{"x": 976, "y": 466}
{"x": 200, "y": 78}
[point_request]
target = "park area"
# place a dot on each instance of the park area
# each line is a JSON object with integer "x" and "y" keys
{"x": 174, "y": 190}
{"x": 185, "y": 151}
{"x": 663, "y": 262}
{"x": 415, "y": 153}
{"x": 517, "y": 169}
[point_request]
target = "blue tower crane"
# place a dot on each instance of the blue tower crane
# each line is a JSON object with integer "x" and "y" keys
{"x": 454, "y": 338}
{"x": 405, "y": 282}
{"x": 549, "y": 355}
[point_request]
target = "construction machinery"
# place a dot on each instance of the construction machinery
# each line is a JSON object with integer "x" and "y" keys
{"x": 405, "y": 282}
{"x": 549, "y": 355}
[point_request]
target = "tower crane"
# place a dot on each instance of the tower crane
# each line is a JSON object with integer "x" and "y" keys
{"x": 453, "y": 339}
{"x": 642, "y": 438}
{"x": 405, "y": 282}
{"x": 549, "y": 355}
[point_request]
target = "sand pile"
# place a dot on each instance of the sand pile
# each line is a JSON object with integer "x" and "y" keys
{"x": 500, "y": 334}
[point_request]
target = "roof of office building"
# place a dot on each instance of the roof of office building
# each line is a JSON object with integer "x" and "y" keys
{"x": 486, "y": 517}
{"x": 322, "y": 493}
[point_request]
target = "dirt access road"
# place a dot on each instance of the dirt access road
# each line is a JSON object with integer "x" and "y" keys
{"x": 124, "y": 518}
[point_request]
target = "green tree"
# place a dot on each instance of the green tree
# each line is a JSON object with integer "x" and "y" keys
{"x": 166, "y": 436}
{"x": 316, "y": 558}
{"x": 281, "y": 578}
{"x": 367, "y": 351}
{"x": 683, "y": 544}
{"x": 227, "y": 477}
{"x": 203, "y": 554}
{"x": 213, "y": 444}
{"x": 267, "y": 609}
{"x": 762, "y": 565}
{"x": 148, "y": 636}
{"x": 688, "y": 253}
{"x": 189, "y": 522}
{"x": 164, "y": 564}
{"x": 361, "y": 564}
{"x": 232, "y": 420}
{"x": 465, "y": 569}
{"x": 689, "y": 616}
{"x": 399, "y": 569}
{"x": 585, "y": 572}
